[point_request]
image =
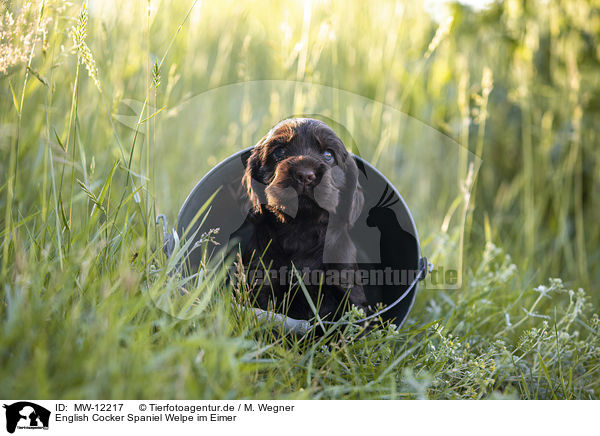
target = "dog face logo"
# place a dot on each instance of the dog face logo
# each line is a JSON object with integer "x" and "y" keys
{"x": 26, "y": 415}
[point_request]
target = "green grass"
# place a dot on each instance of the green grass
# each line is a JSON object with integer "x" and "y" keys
{"x": 80, "y": 187}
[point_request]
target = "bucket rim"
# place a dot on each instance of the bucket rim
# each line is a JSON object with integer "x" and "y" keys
{"x": 423, "y": 269}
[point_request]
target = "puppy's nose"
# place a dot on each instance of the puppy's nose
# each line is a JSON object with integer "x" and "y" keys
{"x": 305, "y": 176}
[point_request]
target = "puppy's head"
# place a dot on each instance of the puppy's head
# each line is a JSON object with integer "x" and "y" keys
{"x": 302, "y": 165}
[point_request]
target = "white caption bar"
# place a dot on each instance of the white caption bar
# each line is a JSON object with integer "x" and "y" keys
{"x": 24, "y": 417}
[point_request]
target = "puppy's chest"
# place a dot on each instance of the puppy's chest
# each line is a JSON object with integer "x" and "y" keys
{"x": 300, "y": 244}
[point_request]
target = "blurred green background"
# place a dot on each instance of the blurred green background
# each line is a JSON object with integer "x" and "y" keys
{"x": 535, "y": 132}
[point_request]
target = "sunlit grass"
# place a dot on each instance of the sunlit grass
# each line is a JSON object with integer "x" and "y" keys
{"x": 81, "y": 185}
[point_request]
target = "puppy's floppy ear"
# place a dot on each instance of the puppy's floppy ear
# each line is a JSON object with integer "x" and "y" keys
{"x": 250, "y": 181}
{"x": 358, "y": 201}
{"x": 352, "y": 198}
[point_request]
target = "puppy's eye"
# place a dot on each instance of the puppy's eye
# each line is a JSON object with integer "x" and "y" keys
{"x": 328, "y": 155}
{"x": 278, "y": 153}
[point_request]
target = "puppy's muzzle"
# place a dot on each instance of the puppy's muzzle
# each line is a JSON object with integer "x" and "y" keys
{"x": 306, "y": 173}
{"x": 304, "y": 176}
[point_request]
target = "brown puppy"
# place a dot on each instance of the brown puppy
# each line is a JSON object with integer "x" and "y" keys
{"x": 305, "y": 195}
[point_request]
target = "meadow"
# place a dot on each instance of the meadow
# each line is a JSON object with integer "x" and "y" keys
{"x": 485, "y": 119}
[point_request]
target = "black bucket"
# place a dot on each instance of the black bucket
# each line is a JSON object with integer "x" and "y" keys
{"x": 385, "y": 235}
